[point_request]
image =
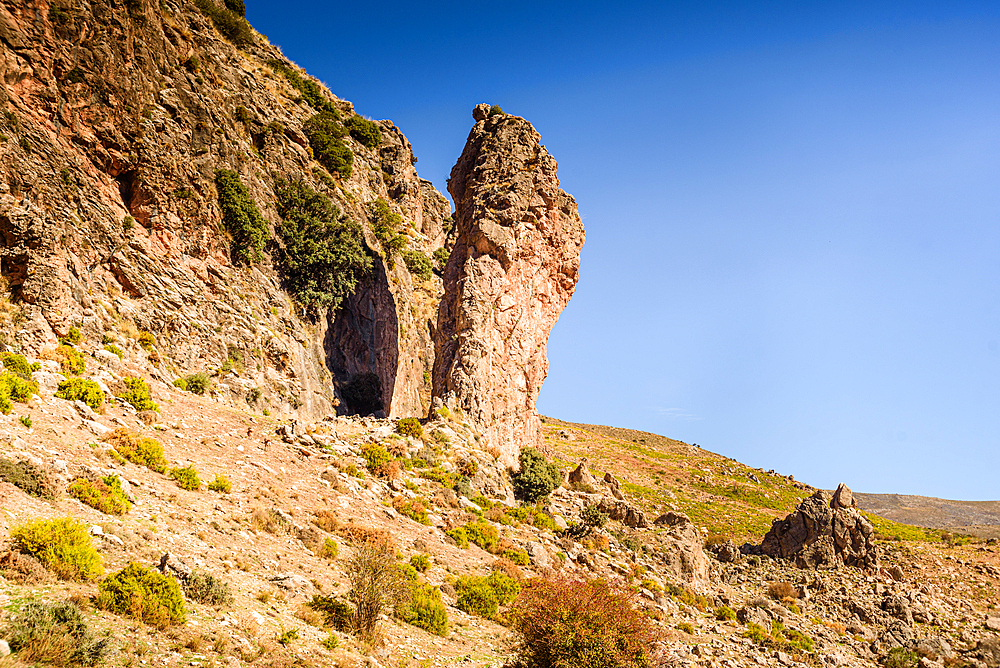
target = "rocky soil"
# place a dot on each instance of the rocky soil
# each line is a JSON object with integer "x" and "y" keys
{"x": 297, "y": 483}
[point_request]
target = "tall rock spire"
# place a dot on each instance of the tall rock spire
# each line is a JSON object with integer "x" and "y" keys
{"x": 513, "y": 269}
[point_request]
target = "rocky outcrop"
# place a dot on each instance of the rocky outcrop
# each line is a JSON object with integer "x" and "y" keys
{"x": 680, "y": 548}
{"x": 824, "y": 532}
{"x": 512, "y": 271}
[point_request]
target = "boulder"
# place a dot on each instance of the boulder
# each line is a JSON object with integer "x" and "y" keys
{"x": 581, "y": 476}
{"x": 843, "y": 497}
{"x": 681, "y": 551}
{"x": 624, "y": 512}
{"x": 819, "y": 535}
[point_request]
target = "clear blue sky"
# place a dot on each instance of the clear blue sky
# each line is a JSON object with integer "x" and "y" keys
{"x": 792, "y": 211}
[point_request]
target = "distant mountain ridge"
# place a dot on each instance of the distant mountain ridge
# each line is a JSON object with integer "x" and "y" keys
{"x": 978, "y": 518}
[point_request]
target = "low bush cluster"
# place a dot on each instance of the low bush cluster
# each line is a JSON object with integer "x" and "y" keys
{"x": 231, "y": 24}
{"x": 376, "y": 584}
{"x": 220, "y": 484}
{"x": 415, "y": 509}
{"x": 55, "y": 634}
{"x": 138, "y": 449}
{"x": 104, "y": 494}
{"x": 241, "y": 218}
{"x": 27, "y": 477}
{"x": 71, "y": 360}
{"x": 410, "y": 427}
{"x": 425, "y": 609}
{"x": 195, "y": 383}
{"x": 484, "y": 596}
{"x": 137, "y": 393}
{"x": 366, "y": 132}
{"x": 143, "y": 594}
{"x": 306, "y": 85}
{"x": 323, "y": 256}
{"x": 18, "y": 364}
{"x": 186, "y": 477}
{"x": 325, "y": 134}
{"x": 203, "y": 587}
{"x": 418, "y": 264}
{"x": 573, "y": 622}
{"x": 386, "y": 224}
{"x": 15, "y": 388}
{"x": 87, "y": 391}
{"x": 62, "y": 545}
{"x": 536, "y": 477}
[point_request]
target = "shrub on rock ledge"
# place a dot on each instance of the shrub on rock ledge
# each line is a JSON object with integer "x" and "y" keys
{"x": 536, "y": 478}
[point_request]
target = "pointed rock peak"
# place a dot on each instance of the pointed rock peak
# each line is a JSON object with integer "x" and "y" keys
{"x": 843, "y": 498}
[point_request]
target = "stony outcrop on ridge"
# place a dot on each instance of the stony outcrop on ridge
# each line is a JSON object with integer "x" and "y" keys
{"x": 513, "y": 269}
{"x": 824, "y": 532}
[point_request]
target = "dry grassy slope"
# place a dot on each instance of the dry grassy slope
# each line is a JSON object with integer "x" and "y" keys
{"x": 718, "y": 493}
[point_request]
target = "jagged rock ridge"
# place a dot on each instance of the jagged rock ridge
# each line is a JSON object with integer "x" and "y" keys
{"x": 512, "y": 271}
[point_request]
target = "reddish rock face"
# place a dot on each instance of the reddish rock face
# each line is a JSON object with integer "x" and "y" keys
{"x": 513, "y": 269}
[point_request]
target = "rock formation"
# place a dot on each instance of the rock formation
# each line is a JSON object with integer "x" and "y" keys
{"x": 824, "y": 532}
{"x": 115, "y": 118}
{"x": 512, "y": 271}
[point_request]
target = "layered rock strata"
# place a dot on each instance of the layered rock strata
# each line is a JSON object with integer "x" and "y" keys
{"x": 513, "y": 269}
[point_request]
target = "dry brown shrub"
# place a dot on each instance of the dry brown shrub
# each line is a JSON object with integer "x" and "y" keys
{"x": 309, "y": 616}
{"x": 782, "y": 590}
{"x": 376, "y": 584}
{"x": 714, "y": 538}
{"x": 23, "y": 569}
{"x": 446, "y": 498}
{"x": 841, "y": 629}
{"x": 495, "y": 514}
{"x": 390, "y": 470}
{"x": 360, "y": 534}
{"x": 269, "y": 520}
{"x": 396, "y": 447}
{"x": 508, "y": 568}
{"x": 327, "y": 521}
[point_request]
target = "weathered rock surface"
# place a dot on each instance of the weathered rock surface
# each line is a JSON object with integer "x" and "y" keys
{"x": 824, "y": 533}
{"x": 512, "y": 271}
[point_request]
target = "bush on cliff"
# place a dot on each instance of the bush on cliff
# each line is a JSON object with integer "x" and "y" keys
{"x": 87, "y": 391}
{"x": 366, "y": 132}
{"x": 228, "y": 22}
{"x": 325, "y": 135}
{"x": 323, "y": 255}
{"x": 241, "y": 218}
{"x": 307, "y": 86}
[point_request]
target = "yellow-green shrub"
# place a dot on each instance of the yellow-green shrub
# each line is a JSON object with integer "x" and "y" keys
{"x": 138, "y": 592}
{"x": 137, "y": 393}
{"x": 87, "y": 391}
{"x": 186, "y": 477}
{"x": 140, "y": 450}
{"x": 105, "y": 494}
{"x": 62, "y": 545}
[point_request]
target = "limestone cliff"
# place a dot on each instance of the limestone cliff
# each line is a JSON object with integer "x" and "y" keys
{"x": 513, "y": 269}
{"x": 115, "y": 118}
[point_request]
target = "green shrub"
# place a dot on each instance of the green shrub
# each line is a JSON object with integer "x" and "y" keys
{"x": 536, "y": 478}
{"x": 236, "y": 6}
{"x": 375, "y": 456}
{"x": 26, "y": 421}
{"x": 87, "y": 391}
{"x": 13, "y": 387}
{"x": 143, "y": 594}
{"x": 230, "y": 24}
{"x": 460, "y": 536}
{"x": 415, "y": 509}
{"x": 337, "y": 614}
{"x": 241, "y": 218}
{"x": 140, "y": 450}
{"x": 366, "y": 132}
{"x": 112, "y": 348}
{"x": 105, "y": 495}
{"x": 62, "y": 545}
{"x": 425, "y": 609}
{"x": 72, "y": 362}
{"x": 385, "y": 225}
{"x": 593, "y": 516}
{"x": 146, "y": 340}
{"x": 363, "y": 393}
{"x": 329, "y": 549}
{"x": 484, "y": 596}
{"x": 725, "y": 613}
{"x": 495, "y": 110}
{"x": 203, "y": 587}
{"x": 419, "y": 264}
{"x": 410, "y": 427}
{"x": 519, "y": 557}
{"x": 27, "y": 477}
{"x": 137, "y": 394}
{"x": 18, "y": 364}
{"x": 323, "y": 255}
{"x": 196, "y": 383}
{"x": 186, "y": 477}
{"x": 899, "y": 657}
{"x": 307, "y": 86}
{"x": 325, "y": 134}
{"x": 572, "y": 622}
{"x": 441, "y": 256}
{"x": 73, "y": 337}
{"x": 220, "y": 484}
{"x": 544, "y": 521}
{"x": 53, "y": 633}
{"x": 421, "y": 562}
